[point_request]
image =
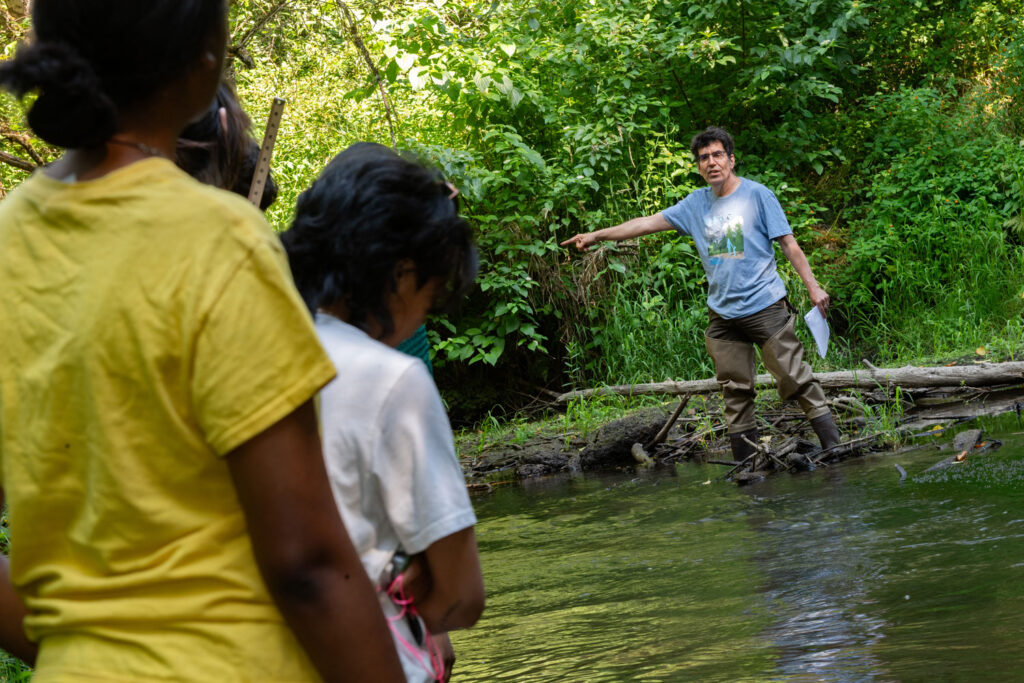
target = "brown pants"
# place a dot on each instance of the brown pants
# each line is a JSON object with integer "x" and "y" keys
{"x": 731, "y": 345}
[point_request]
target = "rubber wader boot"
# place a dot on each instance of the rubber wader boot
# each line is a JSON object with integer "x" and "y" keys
{"x": 741, "y": 450}
{"x": 825, "y": 427}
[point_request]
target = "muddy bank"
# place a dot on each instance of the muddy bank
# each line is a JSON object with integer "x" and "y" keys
{"x": 869, "y": 421}
{"x": 607, "y": 448}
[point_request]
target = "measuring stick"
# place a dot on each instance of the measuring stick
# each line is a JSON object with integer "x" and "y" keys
{"x": 259, "y": 177}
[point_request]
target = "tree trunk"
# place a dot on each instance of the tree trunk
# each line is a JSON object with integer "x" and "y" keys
{"x": 907, "y": 377}
{"x": 16, "y": 162}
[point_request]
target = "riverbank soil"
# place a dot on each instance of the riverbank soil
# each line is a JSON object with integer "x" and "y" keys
{"x": 885, "y": 419}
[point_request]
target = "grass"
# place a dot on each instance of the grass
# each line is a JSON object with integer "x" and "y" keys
{"x": 580, "y": 418}
{"x": 881, "y": 419}
{"x": 654, "y": 335}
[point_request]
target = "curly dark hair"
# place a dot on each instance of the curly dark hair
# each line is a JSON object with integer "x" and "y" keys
{"x": 369, "y": 209}
{"x": 709, "y": 135}
{"x": 224, "y": 157}
{"x": 92, "y": 59}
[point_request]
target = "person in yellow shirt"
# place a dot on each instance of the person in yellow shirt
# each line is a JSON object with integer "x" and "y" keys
{"x": 169, "y": 511}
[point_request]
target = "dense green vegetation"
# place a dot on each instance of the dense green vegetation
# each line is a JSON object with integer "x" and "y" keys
{"x": 892, "y": 135}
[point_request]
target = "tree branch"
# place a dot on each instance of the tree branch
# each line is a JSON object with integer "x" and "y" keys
{"x": 357, "y": 40}
{"x": 237, "y": 49}
{"x": 17, "y": 162}
{"x": 23, "y": 142}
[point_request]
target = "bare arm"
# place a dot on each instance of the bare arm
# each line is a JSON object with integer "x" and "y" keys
{"x": 305, "y": 555}
{"x": 796, "y": 257}
{"x": 12, "y": 614}
{"x": 637, "y": 227}
{"x": 454, "y": 592}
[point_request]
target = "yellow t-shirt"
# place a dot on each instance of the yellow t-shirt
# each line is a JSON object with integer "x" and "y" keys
{"x": 149, "y": 327}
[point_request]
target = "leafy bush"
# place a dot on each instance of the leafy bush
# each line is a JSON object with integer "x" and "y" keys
{"x": 889, "y": 133}
{"x": 930, "y": 259}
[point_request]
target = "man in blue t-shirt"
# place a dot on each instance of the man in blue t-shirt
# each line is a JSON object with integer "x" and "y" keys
{"x": 734, "y": 223}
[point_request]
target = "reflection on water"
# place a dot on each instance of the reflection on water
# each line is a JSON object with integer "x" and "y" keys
{"x": 840, "y": 575}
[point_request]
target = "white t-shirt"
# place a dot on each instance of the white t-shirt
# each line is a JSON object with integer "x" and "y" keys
{"x": 390, "y": 457}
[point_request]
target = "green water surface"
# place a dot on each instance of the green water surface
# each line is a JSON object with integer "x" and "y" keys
{"x": 843, "y": 574}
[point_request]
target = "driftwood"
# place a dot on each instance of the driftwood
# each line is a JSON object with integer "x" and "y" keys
{"x": 870, "y": 422}
{"x": 787, "y": 446}
{"x": 660, "y": 436}
{"x": 927, "y": 420}
{"x": 17, "y": 162}
{"x": 907, "y": 377}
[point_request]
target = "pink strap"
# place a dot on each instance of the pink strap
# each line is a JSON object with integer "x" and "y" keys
{"x": 396, "y": 591}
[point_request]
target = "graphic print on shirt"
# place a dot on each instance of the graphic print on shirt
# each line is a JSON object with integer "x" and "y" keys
{"x": 724, "y": 235}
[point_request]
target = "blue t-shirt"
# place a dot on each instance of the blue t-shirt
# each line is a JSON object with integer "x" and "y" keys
{"x": 734, "y": 237}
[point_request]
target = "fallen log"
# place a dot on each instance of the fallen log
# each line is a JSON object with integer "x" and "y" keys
{"x": 907, "y": 377}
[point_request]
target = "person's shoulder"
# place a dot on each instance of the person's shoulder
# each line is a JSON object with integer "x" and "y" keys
{"x": 354, "y": 352}
{"x": 374, "y": 382}
{"x": 700, "y": 194}
{"x": 220, "y": 207}
{"x": 755, "y": 187}
{"x": 201, "y": 211}
{"x": 698, "y": 197}
{"x": 31, "y": 186}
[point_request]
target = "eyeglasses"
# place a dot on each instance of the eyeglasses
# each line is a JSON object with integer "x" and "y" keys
{"x": 717, "y": 156}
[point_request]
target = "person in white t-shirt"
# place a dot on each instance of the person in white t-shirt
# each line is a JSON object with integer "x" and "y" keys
{"x": 376, "y": 243}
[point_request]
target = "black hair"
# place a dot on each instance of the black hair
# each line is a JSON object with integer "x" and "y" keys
{"x": 91, "y": 59}
{"x": 223, "y": 157}
{"x": 709, "y": 135}
{"x": 369, "y": 209}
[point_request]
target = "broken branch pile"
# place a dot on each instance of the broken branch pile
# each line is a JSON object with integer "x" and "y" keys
{"x": 881, "y": 407}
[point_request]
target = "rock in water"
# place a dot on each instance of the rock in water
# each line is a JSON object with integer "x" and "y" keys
{"x": 966, "y": 440}
{"x": 964, "y": 443}
{"x": 743, "y": 478}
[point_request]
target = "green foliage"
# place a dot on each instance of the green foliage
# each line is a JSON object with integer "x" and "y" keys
{"x": 12, "y": 670}
{"x": 653, "y": 313}
{"x": 881, "y": 419}
{"x": 930, "y": 260}
{"x": 580, "y": 115}
{"x": 5, "y": 539}
{"x": 890, "y": 133}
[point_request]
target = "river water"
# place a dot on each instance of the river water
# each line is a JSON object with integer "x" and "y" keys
{"x": 843, "y": 574}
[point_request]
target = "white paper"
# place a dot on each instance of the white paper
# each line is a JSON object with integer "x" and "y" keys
{"x": 819, "y": 329}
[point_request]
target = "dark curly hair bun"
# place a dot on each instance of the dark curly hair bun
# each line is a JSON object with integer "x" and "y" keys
{"x": 72, "y": 110}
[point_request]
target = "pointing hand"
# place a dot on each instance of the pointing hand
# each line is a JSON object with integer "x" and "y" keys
{"x": 582, "y": 241}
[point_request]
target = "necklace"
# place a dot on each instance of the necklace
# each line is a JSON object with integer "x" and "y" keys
{"x": 148, "y": 150}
